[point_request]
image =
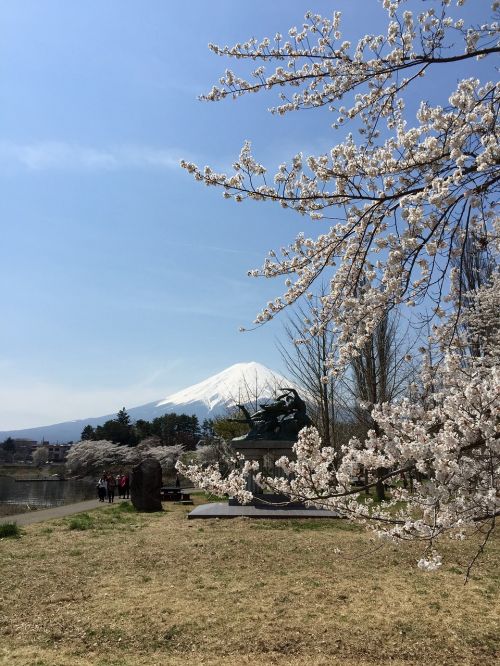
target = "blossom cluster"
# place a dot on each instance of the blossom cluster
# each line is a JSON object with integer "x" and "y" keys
{"x": 401, "y": 205}
{"x": 210, "y": 478}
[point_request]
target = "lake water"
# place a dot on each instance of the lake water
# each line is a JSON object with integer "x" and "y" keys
{"x": 45, "y": 493}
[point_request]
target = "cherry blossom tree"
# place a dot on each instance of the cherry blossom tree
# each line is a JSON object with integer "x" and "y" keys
{"x": 92, "y": 457}
{"x": 400, "y": 203}
{"x": 40, "y": 456}
{"x": 451, "y": 438}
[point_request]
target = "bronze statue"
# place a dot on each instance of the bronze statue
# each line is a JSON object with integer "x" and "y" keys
{"x": 281, "y": 419}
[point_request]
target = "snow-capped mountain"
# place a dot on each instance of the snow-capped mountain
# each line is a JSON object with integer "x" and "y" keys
{"x": 240, "y": 383}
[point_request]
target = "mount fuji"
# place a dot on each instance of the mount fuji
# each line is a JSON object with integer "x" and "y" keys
{"x": 244, "y": 383}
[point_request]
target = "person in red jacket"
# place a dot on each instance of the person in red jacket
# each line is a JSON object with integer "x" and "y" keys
{"x": 124, "y": 486}
{"x": 111, "y": 483}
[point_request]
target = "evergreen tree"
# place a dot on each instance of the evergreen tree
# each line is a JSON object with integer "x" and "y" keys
{"x": 227, "y": 428}
{"x": 143, "y": 429}
{"x": 122, "y": 417}
{"x": 9, "y": 445}
{"x": 207, "y": 429}
{"x": 87, "y": 433}
{"x": 116, "y": 432}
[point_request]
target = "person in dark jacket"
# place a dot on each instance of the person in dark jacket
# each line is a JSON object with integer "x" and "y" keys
{"x": 101, "y": 488}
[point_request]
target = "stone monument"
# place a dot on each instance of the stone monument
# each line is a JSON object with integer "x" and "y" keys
{"x": 273, "y": 432}
{"x": 274, "y": 429}
{"x": 145, "y": 485}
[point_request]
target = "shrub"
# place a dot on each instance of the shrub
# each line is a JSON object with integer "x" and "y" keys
{"x": 9, "y": 530}
{"x": 81, "y": 521}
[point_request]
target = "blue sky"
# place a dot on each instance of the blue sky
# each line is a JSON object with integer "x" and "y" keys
{"x": 121, "y": 279}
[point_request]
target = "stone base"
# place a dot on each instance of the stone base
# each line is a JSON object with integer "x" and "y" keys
{"x": 256, "y": 448}
{"x": 266, "y": 452}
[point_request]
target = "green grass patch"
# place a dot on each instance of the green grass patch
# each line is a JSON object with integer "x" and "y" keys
{"x": 123, "y": 514}
{"x": 125, "y": 507}
{"x": 9, "y": 530}
{"x": 81, "y": 521}
{"x": 120, "y": 514}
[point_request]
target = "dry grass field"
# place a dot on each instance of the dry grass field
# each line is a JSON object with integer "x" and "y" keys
{"x": 114, "y": 587}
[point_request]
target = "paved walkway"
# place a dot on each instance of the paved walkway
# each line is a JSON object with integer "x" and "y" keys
{"x": 55, "y": 512}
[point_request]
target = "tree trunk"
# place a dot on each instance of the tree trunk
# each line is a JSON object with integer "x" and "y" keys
{"x": 380, "y": 486}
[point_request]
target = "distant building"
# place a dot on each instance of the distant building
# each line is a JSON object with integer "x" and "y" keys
{"x": 23, "y": 449}
{"x": 24, "y": 442}
{"x": 57, "y": 452}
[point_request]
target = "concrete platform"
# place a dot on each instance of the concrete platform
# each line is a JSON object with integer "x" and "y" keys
{"x": 222, "y": 510}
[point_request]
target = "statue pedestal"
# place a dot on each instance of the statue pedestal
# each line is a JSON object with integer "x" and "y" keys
{"x": 266, "y": 452}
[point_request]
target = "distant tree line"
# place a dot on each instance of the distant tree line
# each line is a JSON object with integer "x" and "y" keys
{"x": 15, "y": 451}
{"x": 119, "y": 443}
{"x": 170, "y": 429}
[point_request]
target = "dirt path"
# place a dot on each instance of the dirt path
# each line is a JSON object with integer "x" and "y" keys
{"x": 31, "y": 517}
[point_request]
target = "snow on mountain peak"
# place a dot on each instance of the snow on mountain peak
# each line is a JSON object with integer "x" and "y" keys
{"x": 241, "y": 382}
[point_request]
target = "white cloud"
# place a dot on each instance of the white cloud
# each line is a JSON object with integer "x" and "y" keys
{"x": 57, "y": 155}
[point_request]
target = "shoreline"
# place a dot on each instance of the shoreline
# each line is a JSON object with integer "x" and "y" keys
{"x": 41, "y": 515}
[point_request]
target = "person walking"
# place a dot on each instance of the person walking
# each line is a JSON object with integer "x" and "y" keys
{"x": 101, "y": 488}
{"x": 111, "y": 485}
{"x": 123, "y": 486}
{"x": 126, "y": 486}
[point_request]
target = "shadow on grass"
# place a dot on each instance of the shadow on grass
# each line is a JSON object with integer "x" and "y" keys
{"x": 307, "y": 524}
